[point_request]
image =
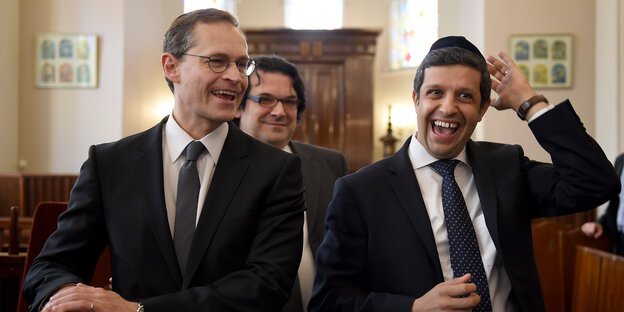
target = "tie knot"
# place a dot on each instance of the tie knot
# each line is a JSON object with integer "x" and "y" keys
{"x": 194, "y": 149}
{"x": 445, "y": 167}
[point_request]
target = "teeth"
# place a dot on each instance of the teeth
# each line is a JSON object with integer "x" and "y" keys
{"x": 443, "y": 124}
{"x": 225, "y": 92}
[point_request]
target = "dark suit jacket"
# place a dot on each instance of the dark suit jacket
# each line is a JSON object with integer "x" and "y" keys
{"x": 609, "y": 219}
{"x": 379, "y": 251}
{"x": 320, "y": 168}
{"x": 247, "y": 244}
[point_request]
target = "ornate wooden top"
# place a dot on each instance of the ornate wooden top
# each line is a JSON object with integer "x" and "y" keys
{"x": 312, "y": 45}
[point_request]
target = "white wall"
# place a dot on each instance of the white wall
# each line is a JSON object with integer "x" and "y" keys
{"x": 506, "y": 17}
{"x": 146, "y": 97}
{"x": 9, "y": 34}
{"x": 609, "y": 49}
{"x": 56, "y": 126}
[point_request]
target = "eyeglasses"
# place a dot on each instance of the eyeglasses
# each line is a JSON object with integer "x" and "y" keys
{"x": 270, "y": 101}
{"x": 220, "y": 63}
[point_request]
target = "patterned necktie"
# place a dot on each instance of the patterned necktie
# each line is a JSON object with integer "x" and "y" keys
{"x": 186, "y": 203}
{"x": 463, "y": 244}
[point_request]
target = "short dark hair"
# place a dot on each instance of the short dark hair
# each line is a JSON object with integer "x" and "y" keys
{"x": 277, "y": 64}
{"x": 455, "y": 56}
{"x": 179, "y": 36}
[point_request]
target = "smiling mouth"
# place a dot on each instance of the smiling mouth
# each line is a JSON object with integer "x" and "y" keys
{"x": 225, "y": 94}
{"x": 444, "y": 128}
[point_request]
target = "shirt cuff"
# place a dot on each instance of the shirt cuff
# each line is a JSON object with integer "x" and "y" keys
{"x": 541, "y": 112}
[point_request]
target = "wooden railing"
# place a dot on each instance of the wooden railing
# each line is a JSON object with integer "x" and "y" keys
{"x": 27, "y": 190}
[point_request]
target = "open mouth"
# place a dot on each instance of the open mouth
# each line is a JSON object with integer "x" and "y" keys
{"x": 444, "y": 128}
{"x": 225, "y": 94}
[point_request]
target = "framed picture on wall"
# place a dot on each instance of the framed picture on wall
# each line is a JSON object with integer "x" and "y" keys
{"x": 66, "y": 61}
{"x": 546, "y": 60}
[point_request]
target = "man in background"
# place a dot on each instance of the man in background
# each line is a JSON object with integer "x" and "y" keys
{"x": 612, "y": 222}
{"x": 270, "y": 111}
{"x": 445, "y": 223}
{"x": 198, "y": 215}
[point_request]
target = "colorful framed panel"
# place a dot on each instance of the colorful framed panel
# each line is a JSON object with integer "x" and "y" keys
{"x": 546, "y": 60}
{"x": 66, "y": 61}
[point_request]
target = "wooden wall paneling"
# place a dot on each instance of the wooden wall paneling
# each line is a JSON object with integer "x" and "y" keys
{"x": 42, "y": 187}
{"x": 322, "y": 120}
{"x": 10, "y": 192}
{"x": 359, "y": 117}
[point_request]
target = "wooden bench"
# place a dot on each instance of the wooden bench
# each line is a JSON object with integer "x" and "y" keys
{"x": 598, "y": 281}
{"x": 555, "y": 251}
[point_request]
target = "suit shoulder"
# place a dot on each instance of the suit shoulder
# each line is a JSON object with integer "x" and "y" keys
{"x": 372, "y": 172}
{"x": 258, "y": 147}
{"x": 494, "y": 148}
{"x": 307, "y": 148}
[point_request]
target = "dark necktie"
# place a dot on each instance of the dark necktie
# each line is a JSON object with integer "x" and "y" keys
{"x": 186, "y": 203}
{"x": 463, "y": 244}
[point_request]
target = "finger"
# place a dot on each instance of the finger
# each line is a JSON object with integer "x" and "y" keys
{"x": 508, "y": 61}
{"x": 73, "y": 306}
{"x": 461, "y": 280}
{"x": 498, "y": 65}
{"x": 458, "y": 290}
{"x": 495, "y": 72}
{"x": 466, "y": 303}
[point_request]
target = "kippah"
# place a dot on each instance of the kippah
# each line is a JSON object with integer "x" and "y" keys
{"x": 456, "y": 41}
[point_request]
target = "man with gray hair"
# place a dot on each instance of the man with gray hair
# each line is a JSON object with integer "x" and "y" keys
{"x": 198, "y": 215}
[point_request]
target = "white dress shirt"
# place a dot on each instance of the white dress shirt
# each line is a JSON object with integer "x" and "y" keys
{"x": 430, "y": 184}
{"x": 174, "y": 142}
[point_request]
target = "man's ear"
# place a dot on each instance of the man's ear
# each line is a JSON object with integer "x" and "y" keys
{"x": 414, "y": 98}
{"x": 170, "y": 65}
{"x": 484, "y": 108}
{"x": 239, "y": 112}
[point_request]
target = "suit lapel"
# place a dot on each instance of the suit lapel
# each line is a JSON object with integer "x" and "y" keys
{"x": 229, "y": 172}
{"x": 485, "y": 180}
{"x": 311, "y": 179}
{"x": 403, "y": 182}
{"x": 150, "y": 164}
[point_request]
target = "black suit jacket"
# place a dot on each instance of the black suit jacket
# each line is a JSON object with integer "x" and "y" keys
{"x": 245, "y": 251}
{"x": 609, "y": 219}
{"x": 379, "y": 251}
{"x": 320, "y": 168}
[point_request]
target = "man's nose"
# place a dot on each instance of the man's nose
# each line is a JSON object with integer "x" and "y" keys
{"x": 448, "y": 105}
{"x": 232, "y": 73}
{"x": 279, "y": 109}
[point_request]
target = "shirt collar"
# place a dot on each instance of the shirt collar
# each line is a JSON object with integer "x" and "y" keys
{"x": 287, "y": 148}
{"x": 177, "y": 139}
{"x": 421, "y": 158}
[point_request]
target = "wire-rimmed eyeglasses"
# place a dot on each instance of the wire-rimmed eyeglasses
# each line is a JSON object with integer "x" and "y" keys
{"x": 220, "y": 63}
{"x": 270, "y": 101}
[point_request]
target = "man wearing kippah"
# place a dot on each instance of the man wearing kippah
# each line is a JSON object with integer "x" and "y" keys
{"x": 445, "y": 223}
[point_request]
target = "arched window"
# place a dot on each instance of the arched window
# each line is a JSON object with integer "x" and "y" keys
{"x": 413, "y": 28}
{"x": 313, "y": 14}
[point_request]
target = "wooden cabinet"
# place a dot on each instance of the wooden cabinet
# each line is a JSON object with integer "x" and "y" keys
{"x": 337, "y": 69}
